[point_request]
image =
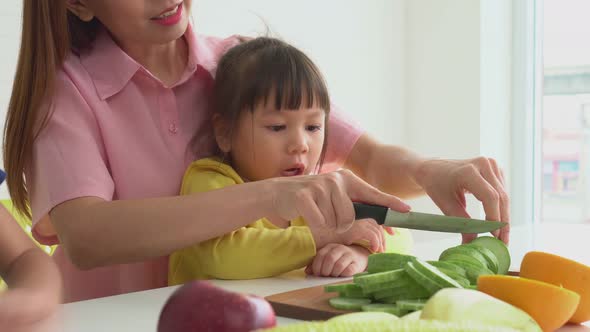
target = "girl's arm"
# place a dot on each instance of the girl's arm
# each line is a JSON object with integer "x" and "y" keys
{"x": 95, "y": 232}
{"x": 34, "y": 282}
{"x": 247, "y": 253}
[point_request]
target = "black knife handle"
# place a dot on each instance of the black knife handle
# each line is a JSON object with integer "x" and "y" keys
{"x": 376, "y": 212}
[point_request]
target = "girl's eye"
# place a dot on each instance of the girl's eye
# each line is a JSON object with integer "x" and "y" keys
{"x": 314, "y": 127}
{"x": 276, "y": 127}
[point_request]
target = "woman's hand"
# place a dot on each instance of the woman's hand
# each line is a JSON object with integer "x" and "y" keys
{"x": 337, "y": 260}
{"x": 325, "y": 201}
{"x": 447, "y": 181}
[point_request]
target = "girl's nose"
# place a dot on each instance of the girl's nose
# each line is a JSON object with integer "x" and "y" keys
{"x": 298, "y": 144}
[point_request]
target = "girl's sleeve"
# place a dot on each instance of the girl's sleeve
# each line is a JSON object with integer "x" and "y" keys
{"x": 246, "y": 253}
{"x": 68, "y": 157}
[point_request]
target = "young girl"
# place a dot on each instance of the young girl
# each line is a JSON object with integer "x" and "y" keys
{"x": 34, "y": 283}
{"x": 106, "y": 98}
{"x": 271, "y": 107}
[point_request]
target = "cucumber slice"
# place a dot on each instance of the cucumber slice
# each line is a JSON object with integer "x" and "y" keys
{"x": 381, "y": 277}
{"x": 488, "y": 255}
{"x": 473, "y": 270}
{"x": 499, "y": 249}
{"x": 462, "y": 280}
{"x": 387, "y": 261}
{"x": 434, "y": 274}
{"x": 345, "y": 303}
{"x": 402, "y": 281}
{"x": 429, "y": 284}
{"x": 448, "y": 266}
{"x": 465, "y": 250}
{"x": 381, "y": 307}
{"x": 414, "y": 291}
{"x": 411, "y": 305}
{"x": 341, "y": 287}
{"x": 462, "y": 257}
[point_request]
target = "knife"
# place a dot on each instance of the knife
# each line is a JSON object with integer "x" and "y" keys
{"x": 424, "y": 221}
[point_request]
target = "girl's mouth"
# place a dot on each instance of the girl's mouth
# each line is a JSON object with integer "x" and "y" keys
{"x": 294, "y": 171}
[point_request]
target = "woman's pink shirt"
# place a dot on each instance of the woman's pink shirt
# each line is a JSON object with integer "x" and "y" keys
{"x": 116, "y": 132}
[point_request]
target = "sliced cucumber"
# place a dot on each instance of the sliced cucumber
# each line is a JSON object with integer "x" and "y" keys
{"x": 431, "y": 285}
{"x": 341, "y": 287}
{"x": 403, "y": 293}
{"x": 411, "y": 305}
{"x": 462, "y": 280}
{"x": 413, "y": 315}
{"x": 381, "y": 307}
{"x": 434, "y": 274}
{"x": 387, "y": 261}
{"x": 499, "y": 249}
{"x": 402, "y": 281}
{"x": 381, "y": 277}
{"x": 462, "y": 257}
{"x": 473, "y": 270}
{"x": 448, "y": 266}
{"x": 345, "y": 303}
{"x": 488, "y": 255}
{"x": 465, "y": 250}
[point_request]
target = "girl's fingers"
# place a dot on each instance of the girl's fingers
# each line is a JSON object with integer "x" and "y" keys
{"x": 351, "y": 270}
{"x": 341, "y": 265}
{"x": 330, "y": 260}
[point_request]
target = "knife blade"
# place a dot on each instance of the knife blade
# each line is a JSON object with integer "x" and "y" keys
{"x": 424, "y": 221}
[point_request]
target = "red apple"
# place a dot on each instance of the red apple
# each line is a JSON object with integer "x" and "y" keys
{"x": 201, "y": 306}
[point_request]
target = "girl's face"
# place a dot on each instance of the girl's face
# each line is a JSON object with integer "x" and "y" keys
{"x": 138, "y": 21}
{"x": 268, "y": 143}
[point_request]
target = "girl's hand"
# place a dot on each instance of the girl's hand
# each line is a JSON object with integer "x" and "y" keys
{"x": 337, "y": 260}
{"x": 325, "y": 201}
{"x": 447, "y": 181}
{"x": 364, "y": 230}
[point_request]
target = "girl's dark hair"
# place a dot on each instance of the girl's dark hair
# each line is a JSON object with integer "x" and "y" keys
{"x": 263, "y": 70}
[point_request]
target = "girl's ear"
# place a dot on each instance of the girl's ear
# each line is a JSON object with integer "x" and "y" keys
{"x": 222, "y": 133}
{"x": 80, "y": 9}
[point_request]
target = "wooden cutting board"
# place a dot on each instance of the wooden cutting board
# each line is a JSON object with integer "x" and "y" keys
{"x": 306, "y": 303}
{"x": 309, "y": 303}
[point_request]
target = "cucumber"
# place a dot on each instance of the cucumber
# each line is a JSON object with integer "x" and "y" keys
{"x": 473, "y": 270}
{"x": 434, "y": 274}
{"x": 345, "y": 303}
{"x": 462, "y": 280}
{"x": 381, "y": 307}
{"x": 499, "y": 249}
{"x": 490, "y": 257}
{"x": 381, "y": 277}
{"x": 403, "y": 293}
{"x": 429, "y": 284}
{"x": 465, "y": 250}
{"x": 448, "y": 266}
{"x": 387, "y": 261}
{"x": 462, "y": 257}
{"x": 402, "y": 281}
{"x": 411, "y": 305}
{"x": 341, "y": 287}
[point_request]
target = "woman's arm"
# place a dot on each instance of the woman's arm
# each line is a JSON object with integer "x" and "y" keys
{"x": 34, "y": 282}
{"x": 403, "y": 173}
{"x": 95, "y": 232}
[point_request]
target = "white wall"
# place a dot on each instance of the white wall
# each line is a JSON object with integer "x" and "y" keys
{"x": 10, "y": 29}
{"x": 357, "y": 44}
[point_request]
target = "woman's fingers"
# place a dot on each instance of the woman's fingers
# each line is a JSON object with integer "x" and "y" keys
{"x": 360, "y": 191}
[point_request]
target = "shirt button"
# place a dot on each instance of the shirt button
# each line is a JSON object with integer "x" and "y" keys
{"x": 173, "y": 129}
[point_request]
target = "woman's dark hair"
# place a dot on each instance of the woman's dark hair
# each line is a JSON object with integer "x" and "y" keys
{"x": 263, "y": 70}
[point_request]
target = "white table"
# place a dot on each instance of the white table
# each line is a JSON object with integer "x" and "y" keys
{"x": 139, "y": 312}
